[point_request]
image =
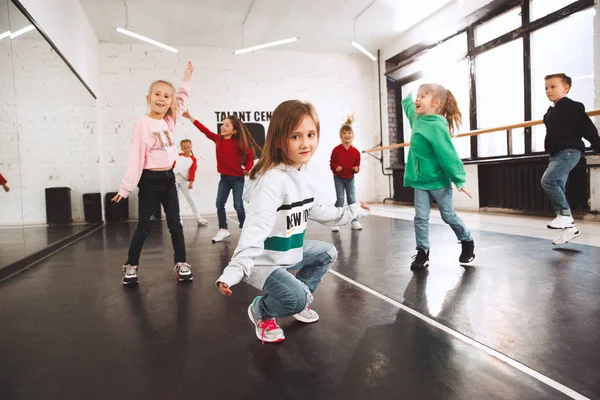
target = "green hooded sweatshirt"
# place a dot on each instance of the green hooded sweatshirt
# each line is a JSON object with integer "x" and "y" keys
{"x": 433, "y": 162}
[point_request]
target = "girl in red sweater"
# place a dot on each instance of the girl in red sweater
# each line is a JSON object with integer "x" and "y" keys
{"x": 235, "y": 149}
{"x": 345, "y": 162}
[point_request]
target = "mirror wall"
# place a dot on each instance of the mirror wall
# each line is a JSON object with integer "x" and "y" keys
{"x": 49, "y": 145}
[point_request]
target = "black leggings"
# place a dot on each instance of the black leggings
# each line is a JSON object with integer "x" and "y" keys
{"x": 156, "y": 188}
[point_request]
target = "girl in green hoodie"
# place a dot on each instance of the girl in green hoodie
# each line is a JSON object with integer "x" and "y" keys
{"x": 433, "y": 165}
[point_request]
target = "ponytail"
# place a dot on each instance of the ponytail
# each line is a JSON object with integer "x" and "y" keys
{"x": 347, "y": 125}
{"x": 452, "y": 113}
{"x": 448, "y": 105}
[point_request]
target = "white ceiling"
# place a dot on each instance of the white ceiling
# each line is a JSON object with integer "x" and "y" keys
{"x": 321, "y": 25}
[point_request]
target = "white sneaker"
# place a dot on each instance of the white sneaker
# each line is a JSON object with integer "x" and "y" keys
{"x": 183, "y": 272}
{"x": 356, "y": 226}
{"x": 335, "y": 229}
{"x": 561, "y": 222}
{"x": 222, "y": 234}
{"x": 202, "y": 222}
{"x": 266, "y": 330}
{"x": 129, "y": 274}
{"x": 566, "y": 236}
{"x": 307, "y": 316}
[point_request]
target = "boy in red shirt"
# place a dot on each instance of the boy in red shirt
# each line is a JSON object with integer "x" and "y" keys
{"x": 345, "y": 162}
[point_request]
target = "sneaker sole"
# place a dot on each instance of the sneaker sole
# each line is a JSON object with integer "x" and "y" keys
{"x": 305, "y": 320}
{"x": 220, "y": 240}
{"x": 467, "y": 262}
{"x": 281, "y": 339}
{"x": 184, "y": 278}
{"x": 575, "y": 235}
{"x": 419, "y": 268}
{"x": 560, "y": 227}
{"x": 129, "y": 281}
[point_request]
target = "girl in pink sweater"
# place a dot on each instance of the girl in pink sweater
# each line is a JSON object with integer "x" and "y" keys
{"x": 150, "y": 167}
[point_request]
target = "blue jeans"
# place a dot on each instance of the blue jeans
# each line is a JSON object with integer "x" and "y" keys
{"x": 287, "y": 294}
{"x": 226, "y": 184}
{"x": 342, "y": 184}
{"x": 554, "y": 180}
{"x": 443, "y": 198}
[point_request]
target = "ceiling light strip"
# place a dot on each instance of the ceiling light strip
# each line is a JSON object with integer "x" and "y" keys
{"x": 262, "y": 46}
{"x": 147, "y": 40}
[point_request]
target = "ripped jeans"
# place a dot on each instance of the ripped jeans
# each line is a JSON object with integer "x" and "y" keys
{"x": 287, "y": 294}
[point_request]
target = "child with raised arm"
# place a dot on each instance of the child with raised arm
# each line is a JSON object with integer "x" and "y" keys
{"x": 433, "y": 165}
{"x": 150, "y": 167}
{"x": 235, "y": 149}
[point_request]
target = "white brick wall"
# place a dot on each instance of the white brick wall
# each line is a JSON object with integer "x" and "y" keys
{"x": 57, "y": 145}
{"x": 336, "y": 84}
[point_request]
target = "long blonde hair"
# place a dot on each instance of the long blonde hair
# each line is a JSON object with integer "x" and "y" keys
{"x": 286, "y": 117}
{"x": 172, "y": 111}
{"x": 448, "y": 105}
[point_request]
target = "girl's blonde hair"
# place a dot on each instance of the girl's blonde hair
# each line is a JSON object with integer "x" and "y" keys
{"x": 172, "y": 111}
{"x": 285, "y": 119}
{"x": 243, "y": 136}
{"x": 448, "y": 105}
{"x": 347, "y": 125}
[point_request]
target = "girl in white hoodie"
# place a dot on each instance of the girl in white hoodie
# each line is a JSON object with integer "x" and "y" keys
{"x": 281, "y": 201}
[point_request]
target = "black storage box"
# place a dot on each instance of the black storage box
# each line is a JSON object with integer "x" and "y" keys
{"x": 116, "y": 212}
{"x": 92, "y": 207}
{"x": 58, "y": 205}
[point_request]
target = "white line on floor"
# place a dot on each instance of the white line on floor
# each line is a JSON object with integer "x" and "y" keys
{"x": 523, "y": 368}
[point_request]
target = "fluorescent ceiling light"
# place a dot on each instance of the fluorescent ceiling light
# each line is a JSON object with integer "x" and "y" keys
{"x": 21, "y": 31}
{"x": 5, "y": 34}
{"x": 147, "y": 40}
{"x": 365, "y": 51}
{"x": 262, "y": 46}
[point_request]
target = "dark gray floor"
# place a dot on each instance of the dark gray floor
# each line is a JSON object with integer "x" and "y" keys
{"x": 18, "y": 243}
{"x": 70, "y": 331}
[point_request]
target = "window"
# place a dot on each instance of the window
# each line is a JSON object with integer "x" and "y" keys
{"x": 500, "y": 98}
{"x": 406, "y": 90}
{"x": 541, "y": 8}
{"x": 454, "y": 76}
{"x": 498, "y": 26}
{"x": 571, "y": 52}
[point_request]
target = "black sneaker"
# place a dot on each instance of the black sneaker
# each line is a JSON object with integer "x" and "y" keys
{"x": 467, "y": 256}
{"x": 421, "y": 260}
